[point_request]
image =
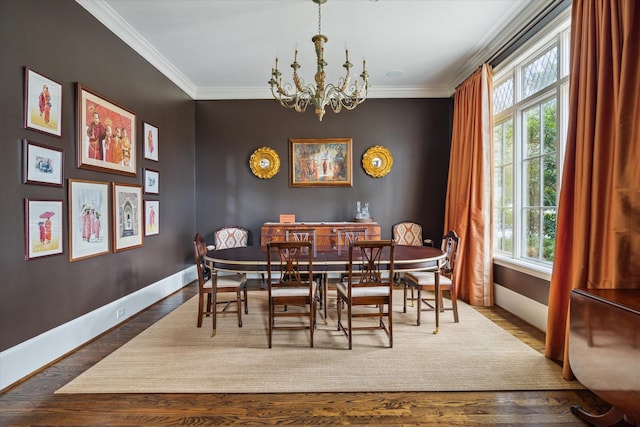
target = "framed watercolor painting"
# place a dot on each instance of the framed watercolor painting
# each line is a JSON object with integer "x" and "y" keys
{"x": 43, "y": 103}
{"x": 127, "y": 216}
{"x": 150, "y": 141}
{"x": 43, "y": 228}
{"x": 320, "y": 162}
{"x": 151, "y": 217}
{"x": 106, "y": 134}
{"x": 151, "y": 181}
{"x": 42, "y": 164}
{"x": 89, "y": 225}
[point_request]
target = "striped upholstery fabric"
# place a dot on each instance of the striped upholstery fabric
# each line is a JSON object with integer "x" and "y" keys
{"x": 408, "y": 234}
{"x": 230, "y": 237}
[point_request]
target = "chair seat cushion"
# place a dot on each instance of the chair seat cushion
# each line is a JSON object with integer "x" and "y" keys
{"x": 293, "y": 291}
{"x": 426, "y": 278}
{"x": 364, "y": 291}
{"x": 228, "y": 280}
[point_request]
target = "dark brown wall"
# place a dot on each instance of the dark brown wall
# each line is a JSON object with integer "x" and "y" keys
{"x": 416, "y": 131}
{"x": 64, "y": 42}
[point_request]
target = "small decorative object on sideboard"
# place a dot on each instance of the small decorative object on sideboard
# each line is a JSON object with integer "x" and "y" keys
{"x": 362, "y": 212}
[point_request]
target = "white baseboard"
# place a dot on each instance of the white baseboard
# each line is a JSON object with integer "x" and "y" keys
{"x": 525, "y": 308}
{"x": 27, "y": 357}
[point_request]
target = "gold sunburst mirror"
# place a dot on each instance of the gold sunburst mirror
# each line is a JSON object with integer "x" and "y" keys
{"x": 264, "y": 163}
{"x": 377, "y": 161}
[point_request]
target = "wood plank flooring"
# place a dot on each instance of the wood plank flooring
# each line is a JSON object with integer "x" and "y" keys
{"x": 32, "y": 402}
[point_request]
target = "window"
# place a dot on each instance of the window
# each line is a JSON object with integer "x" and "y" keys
{"x": 530, "y": 116}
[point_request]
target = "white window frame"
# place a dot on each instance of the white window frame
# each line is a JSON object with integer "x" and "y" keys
{"x": 556, "y": 32}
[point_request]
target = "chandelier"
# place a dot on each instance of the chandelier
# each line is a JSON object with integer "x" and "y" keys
{"x": 342, "y": 95}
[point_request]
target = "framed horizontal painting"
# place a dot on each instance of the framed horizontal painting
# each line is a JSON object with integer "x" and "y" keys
{"x": 151, "y": 181}
{"x": 320, "y": 162}
{"x": 89, "y": 225}
{"x": 151, "y": 217}
{"x": 43, "y": 228}
{"x": 150, "y": 141}
{"x": 42, "y": 164}
{"x": 127, "y": 217}
{"x": 43, "y": 103}
{"x": 106, "y": 134}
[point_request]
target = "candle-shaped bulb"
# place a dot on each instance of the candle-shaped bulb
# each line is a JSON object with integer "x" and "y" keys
{"x": 346, "y": 52}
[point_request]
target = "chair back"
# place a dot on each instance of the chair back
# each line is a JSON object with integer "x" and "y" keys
{"x": 450, "y": 244}
{"x": 289, "y": 264}
{"x": 407, "y": 233}
{"x": 302, "y": 235}
{"x": 230, "y": 237}
{"x": 365, "y": 266}
{"x": 199, "y": 251}
{"x": 347, "y": 236}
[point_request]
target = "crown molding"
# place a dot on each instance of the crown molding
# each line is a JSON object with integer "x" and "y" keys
{"x": 114, "y": 22}
{"x": 492, "y": 43}
{"x": 217, "y": 93}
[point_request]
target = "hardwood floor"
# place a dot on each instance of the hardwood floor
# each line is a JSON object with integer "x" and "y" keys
{"x": 32, "y": 402}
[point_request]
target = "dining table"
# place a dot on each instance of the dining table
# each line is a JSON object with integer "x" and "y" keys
{"x": 253, "y": 259}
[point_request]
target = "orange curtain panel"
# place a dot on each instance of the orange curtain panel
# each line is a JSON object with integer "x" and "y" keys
{"x": 468, "y": 201}
{"x": 598, "y": 230}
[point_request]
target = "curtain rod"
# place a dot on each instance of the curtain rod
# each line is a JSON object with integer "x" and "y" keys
{"x": 552, "y": 10}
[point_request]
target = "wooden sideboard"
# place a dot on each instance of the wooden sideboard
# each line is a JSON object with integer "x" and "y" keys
{"x": 326, "y": 232}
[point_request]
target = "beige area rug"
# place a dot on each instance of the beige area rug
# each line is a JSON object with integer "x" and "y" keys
{"x": 174, "y": 356}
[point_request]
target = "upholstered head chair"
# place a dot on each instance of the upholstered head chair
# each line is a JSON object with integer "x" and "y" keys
{"x": 409, "y": 234}
{"x": 230, "y": 237}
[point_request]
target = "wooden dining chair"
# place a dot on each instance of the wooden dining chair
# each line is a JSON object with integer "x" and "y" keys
{"x": 230, "y": 237}
{"x": 426, "y": 280}
{"x": 367, "y": 293}
{"x": 291, "y": 285}
{"x": 303, "y": 235}
{"x": 210, "y": 284}
{"x": 408, "y": 233}
{"x": 233, "y": 236}
{"x": 346, "y": 236}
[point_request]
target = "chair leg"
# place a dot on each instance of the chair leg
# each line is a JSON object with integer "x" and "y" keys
{"x": 454, "y": 304}
{"x": 312, "y": 312}
{"x": 271, "y": 309}
{"x": 419, "y": 305}
{"x": 325, "y": 298}
{"x": 200, "y": 309}
{"x": 339, "y": 310}
{"x": 239, "y": 307}
{"x": 404, "y": 306}
{"x": 390, "y": 316}
{"x": 214, "y": 311}
{"x": 246, "y": 301}
{"x": 350, "y": 325}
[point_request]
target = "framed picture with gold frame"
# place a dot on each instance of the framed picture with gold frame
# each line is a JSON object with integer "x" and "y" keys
{"x": 264, "y": 163}
{"x": 377, "y": 161}
{"x": 320, "y": 162}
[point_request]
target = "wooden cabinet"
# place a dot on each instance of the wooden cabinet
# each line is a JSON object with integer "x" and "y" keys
{"x": 604, "y": 350}
{"x": 326, "y": 232}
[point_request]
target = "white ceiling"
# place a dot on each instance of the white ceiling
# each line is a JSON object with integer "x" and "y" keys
{"x": 225, "y": 49}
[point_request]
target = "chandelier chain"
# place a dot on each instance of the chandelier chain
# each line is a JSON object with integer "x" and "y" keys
{"x": 319, "y": 18}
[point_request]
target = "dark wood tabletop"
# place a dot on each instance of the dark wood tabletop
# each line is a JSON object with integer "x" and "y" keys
{"x": 254, "y": 259}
